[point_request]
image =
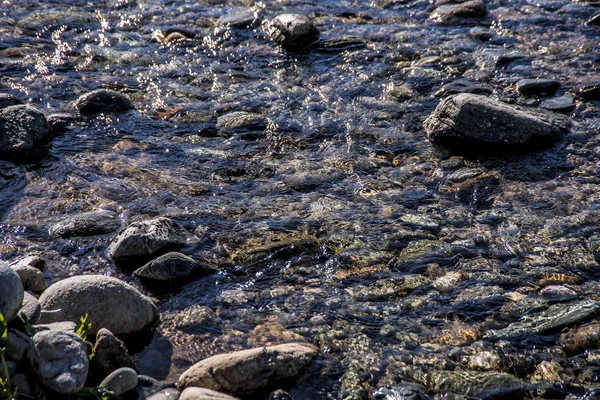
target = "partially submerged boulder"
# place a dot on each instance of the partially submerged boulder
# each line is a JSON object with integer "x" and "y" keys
{"x": 11, "y": 292}
{"x": 292, "y": 31}
{"x": 102, "y": 101}
{"x": 24, "y": 133}
{"x": 87, "y": 224}
{"x": 173, "y": 266}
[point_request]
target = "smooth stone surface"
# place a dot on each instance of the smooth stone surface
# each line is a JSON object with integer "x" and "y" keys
{"x": 11, "y": 290}
{"x": 469, "y": 120}
{"x": 292, "y": 31}
{"x": 66, "y": 326}
{"x": 102, "y": 101}
{"x": 173, "y": 266}
{"x": 448, "y": 13}
{"x": 120, "y": 381}
{"x": 110, "y": 353}
{"x": 147, "y": 238}
{"x": 241, "y": 121}
{"x": 544, "y": 87}
{"x": 557, "y": 292}
{"x": 196, "y": 393}
{"x": 481, "y": 33}
{"x": 247, "y": 371}
{"x": 60, "y": 361}
{"x": 31, "y": 308}
{"x": 418, "y": 255}
{"x": 166, "y": 394}
{"x": 24, "y": 133}
{"x": 109, "y": 302}
{"x": 32, "y": 278}
{"x": 87, "y": 224}
{"x": 34, "y": 261}
{"x": 239, "y": 18}
{"x": 463, "y": 86}
{"x": 561, "y": 104}
{"x": 7, "y": 100}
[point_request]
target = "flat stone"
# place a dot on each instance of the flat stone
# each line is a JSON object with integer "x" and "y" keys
{"x": 109, "y": 302}
{"x": 543, "y": 87}
{"x": 477, "y": 123}
{"x": 60, "y": 361}
{"x": 31, "y": 308}
{"x": 120, "y": 381}
{"x": 7, "y": 100}
{"x": 103, "y": 101}
{"x": 248, "y": 371}
{"x": 197, "y": 393}
{"x": 292, "y": 31}
{"x": 34, "y": 261}
{"x": 32, "y": 278}
{"x": 562, "y": 104}
{"x": 66, "y": 326}
{"x": 557, "y": 293}
{"x": 243, "y": 17}
{"x": 12, "y": 292}
{"x": 481, "y": 33}
{"x": 449, "y": 13}
{"x": 110, "y": 353}
{"x": 87, "y": 224}
{"x": 173, "y": 266}
{"x": 463, "y": 86}
{"x": 417, "y": 256}
{"x": 24, "y": 133}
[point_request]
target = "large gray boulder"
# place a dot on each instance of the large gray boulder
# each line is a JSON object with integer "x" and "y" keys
{"x": 31, "y": 277}
{"x": 60, "y": 361}
{"x": 102, "y": 101}
{"x": 475, "y": 122}
{"x": 24, "y": 133}
{"x": 109, "y": 302}
{"x": 173, "y": 266}
{"x": 87, "y": 224}
{"x": 11, "y": 292}
{"x": 292, "y": 31}
{"x": 145, "y": 239}
{"x": 248, "y": 371}
{"x": 120, "y": 381}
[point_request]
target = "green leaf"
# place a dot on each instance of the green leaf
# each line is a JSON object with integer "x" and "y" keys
{"x": 3, "y": 332}
{"x": 85, "y": 327}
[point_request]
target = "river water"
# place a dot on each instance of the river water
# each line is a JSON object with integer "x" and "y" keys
{"x": 333, "y": 220}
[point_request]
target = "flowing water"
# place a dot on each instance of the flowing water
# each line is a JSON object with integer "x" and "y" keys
{"x": 333, "y": 220}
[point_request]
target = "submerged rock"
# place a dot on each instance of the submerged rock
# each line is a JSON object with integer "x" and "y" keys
{"x": 87, "y": 224}
{"x": 102, "y": 101}
{"x": 109, "y": 302}
{"x": 477, "y": 384}
{"x": 173, "y": 266}
{"x": 417, "y": 256}
{"x": 60, "y": 361}
{"x": 11, "y": 291}
{"x": 248, "y": 371}
{"x": 401, "y": 392}
{"x": 7, "y": 100}
{"x": 249, "y": 125}
{"x": 239, "y": 18}
{"x": 544, "y": 87}
{"x": 24, "y": 133}
{"x": 586, "y": 337}
{"x": 448, "y": 13}
{"x": 292, "y": 31}
{"x": 483, "y": 124}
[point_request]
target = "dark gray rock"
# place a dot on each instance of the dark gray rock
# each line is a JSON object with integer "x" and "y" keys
{"x": 60, "y": 122}
{"x": 173, "y": 266}
{"x": 24, "y": 133}
{"x": 31, "y": 308}
{"x": 280, "y": 395}
{"x": 110, "y": 353}
{"x": 166, "y": 394}
{"x": 20, "y": 345}
{"x": 120, "y": 381}
{"x": 481, "y": 33}
{"x": 12, "y": 292}
{"x": 292, "y": 31}
{"x": 197, "y": 393}
{"x": 148, "y": 386}
{"x": 543, "y": 87}
{"x": 103, "y": 101}
{"x": 563, "y": 104}
{"x": 34, "y": 261}
{"x": 7, "y": 100}
{"x": 449, "y": 13}
{"x": 109, "y": 302}
{"x": 145, "y": 239}
{"x": 401, "y": 392}
{"x": 32, "y": 278}
{"x": 595, "y": 20}
{"x": 21, "y": 381}
{"x": 87, "y": 224}
{"x": 249, "y": 125}
{"x": 589, "y": 91}
{"x": 418, "y": 255}
{"x": 244, "y": 17}
{"x": 482, "y": 124}
{"x": 60, "y": 361}
{"x": 463, "y": 86}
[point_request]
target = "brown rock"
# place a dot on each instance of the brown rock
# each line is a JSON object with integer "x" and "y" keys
{"x": 196, "y": 393}
{"x": 110, "y": 354}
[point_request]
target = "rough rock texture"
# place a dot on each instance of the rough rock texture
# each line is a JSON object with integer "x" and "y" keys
{"x": 24, "y": 133}
{"x": 110, "y": 303}
{"x": 243, "y": 17}
{"x": 11, "y": 290}
{"x": 102, "y": 101}
{"x": 148, "y": 238}
{"x": 67, "y": 326}
{"x": 544, "y": 87}
{"x": 401, "y": 392}
{"x": 32, "y": 278}
{"x": 173, "y": 266}
{"x": 110, "y": 353}
{"x": 120, "y": 381}
{"x": 7, "y": 100}
{"x": 247, "y": 371}
{"x": 31, "y": 308}
{"x": 473, "y": 121}
{"x": 19, "y": 345}
{"x": 87, "y": 224}
{"x": 292, "y": 31}
{"x": 34, "y": 261}
{"x": 448, "y": 13}
{"x": 249, "y": 125}
{"x": 60, "y": 361}
{"x": 196, "y": 393}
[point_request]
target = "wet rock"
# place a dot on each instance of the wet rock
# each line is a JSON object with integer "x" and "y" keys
{"x": 547, "y": 371}
{"x": 120, "y": 381}
{"x": 165, "y": 394}
{"x": 247, "y": 371}
{"x": 595, "y": 20}
{"x": 562, "y": 104}
{"x": 110, "y": 353}
{"x": 7, "y": 100}
{"x": 484, "y": 124}
{"x": 481, "y": 33}
{"x": 417, "y": 256}
{"x": 173, "y": 266}
{"x": 484, "y": 361}
{"x": 555, "y": 318}
{"x": 583, "y": 338}
{"x": 19, "y": 345}
{"x": 476, "y": 384}
{"x": 102, "y": 101}
{"x": 557, "y": 293}
{"x": 32, "y": 278}
{"x": 401, "y": 392}
{"x": 12, "y": 292}
{"x": 31, "y": 308}
{"x": 197, "y": 393}
{"x": 292, "y": 31}
{"x": 24, "y": 133}
{"x": 239, "y": 18}
{"x": 87, "y": 224}
{"x": 60, "y": 361}
{"x": 109, "y": 302}
{"x": 470, "y": 185}
{"x": 144, "y": 239}
{"x": 148, "y": 386}
{"x": 463, "y": 86}
{"x": 280, "y": 395}
{"x": 60, "y": 122}
{"x": 449, "y": 13}
{"x": 542, "y": 87}
{"x": 21, "y": 381}
{"x": 589, "y": 91}
{"x": 248, "y": 126}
